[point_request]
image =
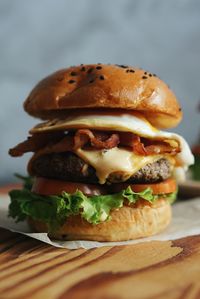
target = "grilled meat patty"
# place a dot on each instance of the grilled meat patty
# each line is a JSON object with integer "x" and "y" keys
{"x": 69, "y": 167}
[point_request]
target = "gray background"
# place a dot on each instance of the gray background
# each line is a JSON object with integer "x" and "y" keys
{"x": 38, "y": 37}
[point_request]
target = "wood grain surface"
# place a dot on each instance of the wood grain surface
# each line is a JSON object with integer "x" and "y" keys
{"x": 32, "y": 269}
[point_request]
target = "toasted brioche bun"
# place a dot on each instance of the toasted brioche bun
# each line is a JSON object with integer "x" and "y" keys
{"x": 106, "y": 87}
{"x": 127, "y": 223}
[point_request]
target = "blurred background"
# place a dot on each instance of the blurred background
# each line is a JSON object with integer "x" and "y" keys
{"x": 38, "y": 37}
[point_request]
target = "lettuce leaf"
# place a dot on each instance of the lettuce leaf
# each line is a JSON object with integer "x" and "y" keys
{"x": 54, "y": 210}
{"x": 27, "y": 180}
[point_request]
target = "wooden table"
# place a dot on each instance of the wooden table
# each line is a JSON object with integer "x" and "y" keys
{"x": 30, "y": 269}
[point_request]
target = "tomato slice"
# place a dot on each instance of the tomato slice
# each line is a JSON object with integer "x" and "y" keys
{"x": 45, "y": 186}
{"x": 165, "y": 187}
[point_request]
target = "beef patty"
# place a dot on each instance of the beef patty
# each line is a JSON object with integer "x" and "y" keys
{"x": 69, "y": 167}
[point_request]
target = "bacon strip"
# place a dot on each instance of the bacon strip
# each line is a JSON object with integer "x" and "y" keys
{"x": 133, "y": 141}
{"x": 98, "y": 140}
{"x": 147, "y": 146}
{"x": 35, "y": 142}
{"x": 161, "y": 148}
{"x": 60, "y": 142}
{"x": 64, "y": 145}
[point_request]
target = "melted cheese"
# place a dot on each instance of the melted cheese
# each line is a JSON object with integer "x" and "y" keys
{"x": 115, "y": 160}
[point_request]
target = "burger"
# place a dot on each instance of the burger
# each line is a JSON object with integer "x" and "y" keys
{"x": 102, "y": 168}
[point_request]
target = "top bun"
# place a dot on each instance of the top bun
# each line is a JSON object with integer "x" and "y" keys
{"x": 105, "y": 86}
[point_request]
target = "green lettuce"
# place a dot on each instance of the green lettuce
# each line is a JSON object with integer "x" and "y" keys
{"x": 27, "y": 180}
{"x": 54, "y": 209}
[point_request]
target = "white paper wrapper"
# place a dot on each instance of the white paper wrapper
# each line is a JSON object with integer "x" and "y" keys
{"x": 185, "y": 222}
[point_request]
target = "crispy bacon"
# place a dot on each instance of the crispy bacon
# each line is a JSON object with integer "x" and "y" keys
{"x": 60, "y": 142}
{"x": 133, "y": 141}
{"x": 99, "y": 140}
{"x": 161, "y": 148}
{"x": 143, "y": 146}
{"x": 64, "y": 145}
{"x": 35, "y": 142}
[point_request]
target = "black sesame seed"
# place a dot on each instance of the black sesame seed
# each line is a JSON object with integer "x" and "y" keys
{"x": 99, "y": 67}
{"x": 73, "y": 74}
{"x": 180, "y": 109}
{"x": 90, "y": 70}
{"x": 132, "y": 71}
{"x": 99, "y": 63}
{"x": 101, "y": 77}
{"x": 127, "y": 71}
{"x": 150, "y": 75}
{"x": 83, "y": 69}
{"x": 71, "y": 81}
{"x": 91, "y": 81}
{"x": 145, "y": 73}
{"x": 154, "y": 75}
{"x": 144, "y": 77}
{"x": 122, "y": 66}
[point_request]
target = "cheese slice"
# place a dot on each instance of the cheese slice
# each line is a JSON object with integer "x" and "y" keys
{"x": 115, "y": 160}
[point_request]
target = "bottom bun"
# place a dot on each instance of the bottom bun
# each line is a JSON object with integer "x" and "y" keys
{"x": 127, "y": 223}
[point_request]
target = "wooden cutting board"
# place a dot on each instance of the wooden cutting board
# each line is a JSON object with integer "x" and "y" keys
{"x": 30, "y": 269}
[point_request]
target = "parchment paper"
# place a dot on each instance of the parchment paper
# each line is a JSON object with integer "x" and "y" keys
{"x": 185, "y": 222}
